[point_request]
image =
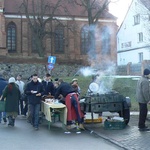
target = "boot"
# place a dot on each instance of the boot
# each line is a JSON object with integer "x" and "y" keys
{"x": 4, "y": 119}
{"x": 10, "y": 121}
{"x": 81, "y": 127}
{"x": 78, "y": 131}
{"x": 13, "y": 121}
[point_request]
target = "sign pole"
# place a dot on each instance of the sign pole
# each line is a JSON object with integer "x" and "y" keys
{"x": 49, "y": 71}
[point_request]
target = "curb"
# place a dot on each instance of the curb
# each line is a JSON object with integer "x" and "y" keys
{"x": 106, "y": 138}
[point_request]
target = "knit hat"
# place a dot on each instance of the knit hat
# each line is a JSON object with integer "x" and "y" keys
{"x": 75, "y": 79}
{"x": 11, "y": 80}
{"x": 146, "y": 71}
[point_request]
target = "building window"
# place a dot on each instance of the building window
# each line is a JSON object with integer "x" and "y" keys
{"x": 136, "y": 19}
{"x": 59, "y": 39}
{"x": 140, "y": 37}
{"x": 105, "y": 35}
{"x": 11, "y": 37}
{"x": 126, "y": 45}
{"x": 85, "y": 40}
{"x": 140, "y": 57}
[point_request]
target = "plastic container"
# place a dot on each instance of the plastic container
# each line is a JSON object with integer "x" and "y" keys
{"x": 114, "y": 125}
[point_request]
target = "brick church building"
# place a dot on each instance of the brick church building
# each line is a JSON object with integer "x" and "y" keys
{"x": 17, "y": 41}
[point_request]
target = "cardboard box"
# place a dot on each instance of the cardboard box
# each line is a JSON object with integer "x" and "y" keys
{"x": 99, "y": 120}
{"x": 96, "y": 118}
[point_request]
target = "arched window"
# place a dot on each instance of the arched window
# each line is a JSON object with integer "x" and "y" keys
{"x": 11, "y": 37}
{"x": 84, "y": 40}
{"x": 105, "y": 35}
{"x": 59, "y": 39}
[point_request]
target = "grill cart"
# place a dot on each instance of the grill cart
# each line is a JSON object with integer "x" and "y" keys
{"x": 111, "y": 101}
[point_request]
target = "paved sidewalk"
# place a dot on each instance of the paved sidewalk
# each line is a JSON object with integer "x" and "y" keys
{"x": 129, "y": 138}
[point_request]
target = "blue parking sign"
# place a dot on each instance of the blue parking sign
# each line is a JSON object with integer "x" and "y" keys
{"x": 51, "y": 59}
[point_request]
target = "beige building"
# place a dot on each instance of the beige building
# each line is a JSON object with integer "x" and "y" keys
{"x": 17, "y": 40}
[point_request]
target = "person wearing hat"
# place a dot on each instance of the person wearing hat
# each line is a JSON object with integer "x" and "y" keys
{"x": 143, "y": 98}
{"x": 75, "y": 86}
{"x": 11, "y": 94}
{"x": 72, "y": 103}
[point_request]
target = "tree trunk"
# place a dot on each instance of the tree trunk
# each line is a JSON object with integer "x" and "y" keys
{"x": 39, "y": 46}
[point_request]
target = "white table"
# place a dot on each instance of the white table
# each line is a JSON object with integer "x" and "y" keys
{"x": 47, "y": 109}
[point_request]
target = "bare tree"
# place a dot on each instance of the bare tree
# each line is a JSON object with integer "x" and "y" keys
{"x": 40, "y": 14}
{"x": 95, "y": 10}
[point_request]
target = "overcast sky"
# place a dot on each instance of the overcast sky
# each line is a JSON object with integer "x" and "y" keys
{"x": 119, "y": 9}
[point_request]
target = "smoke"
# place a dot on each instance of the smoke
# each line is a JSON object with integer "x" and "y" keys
{"x": 105, "y": 84}
{"x": 100, "y": 57}
{"x": 87, "y": 71}
{"x": 104, "y": 78}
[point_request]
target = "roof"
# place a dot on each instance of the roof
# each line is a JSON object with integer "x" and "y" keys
{"x": 146, "y": 3}
{"x": 12, "y": 7}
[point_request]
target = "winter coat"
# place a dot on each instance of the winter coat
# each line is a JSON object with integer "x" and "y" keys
{"x": 64, "y": 89}
{"x": 48, "y": 88}
{"x": 71, "y": 112}
{"x": 11, "y": 94}
{"x": 35, "y": 86}
{"x": 143, "y": 90}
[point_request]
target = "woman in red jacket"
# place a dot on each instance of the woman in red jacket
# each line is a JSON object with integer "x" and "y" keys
{"x": 72, "y": 103}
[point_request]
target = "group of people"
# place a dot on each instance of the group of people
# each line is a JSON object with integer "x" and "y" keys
{"x": 21, "y": 98}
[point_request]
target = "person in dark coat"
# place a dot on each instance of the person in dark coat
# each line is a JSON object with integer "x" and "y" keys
{"x": 3, "y": 84}
{"x": 72, "y": 103}
{"x": 12, "y": 95}
{"x": 48, "y": 85}
{"x": 34, "y": 91}
{"x": 143, "y": 98}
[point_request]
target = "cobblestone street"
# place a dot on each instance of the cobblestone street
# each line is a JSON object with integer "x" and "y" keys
{"x": 129, "y": 138}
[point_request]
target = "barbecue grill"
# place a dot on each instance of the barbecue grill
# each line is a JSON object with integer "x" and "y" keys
{"x": 110, "y": 101}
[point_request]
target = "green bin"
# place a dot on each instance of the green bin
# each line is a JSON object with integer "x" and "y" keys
{"x": 114, "y": 125}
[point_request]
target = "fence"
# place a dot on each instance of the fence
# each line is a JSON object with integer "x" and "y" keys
{"x": 133, "y": 69}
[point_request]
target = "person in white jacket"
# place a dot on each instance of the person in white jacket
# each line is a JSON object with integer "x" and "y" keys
{"x": 21, "y": 85}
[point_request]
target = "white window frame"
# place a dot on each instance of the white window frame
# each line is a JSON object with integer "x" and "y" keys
{"x": 136, "y": 19}
{"x": 140, "y": 57}
{"x": 140, "y": 37}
